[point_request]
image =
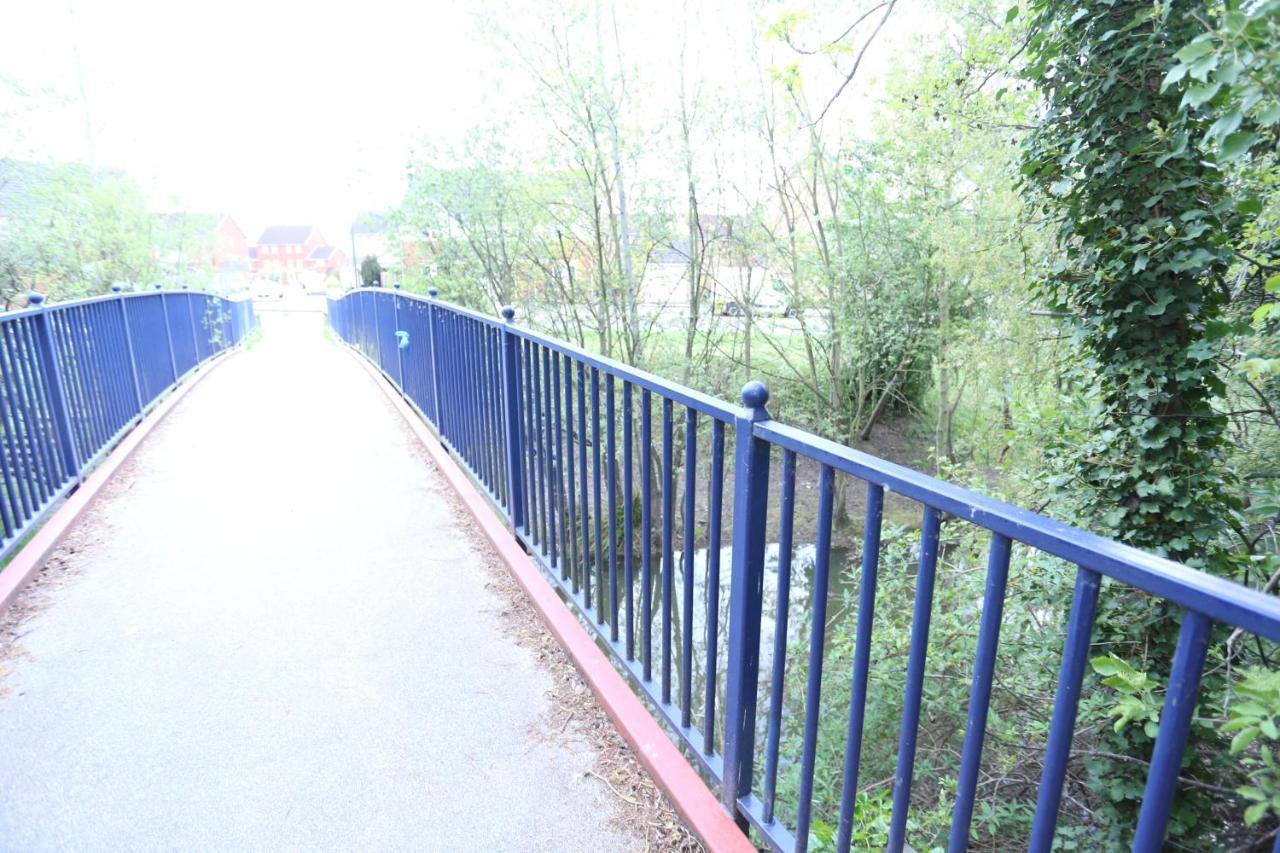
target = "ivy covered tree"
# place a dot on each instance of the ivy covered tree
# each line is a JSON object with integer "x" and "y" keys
{"x": 370, "y": 272}
{"x": 1137, "y": 187}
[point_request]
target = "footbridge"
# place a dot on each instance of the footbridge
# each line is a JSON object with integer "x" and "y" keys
{"x": 254, "y": 568}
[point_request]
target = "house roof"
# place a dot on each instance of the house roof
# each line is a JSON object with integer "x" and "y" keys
{"x": 320, "y": 253}
{"x": 284, "y": 235}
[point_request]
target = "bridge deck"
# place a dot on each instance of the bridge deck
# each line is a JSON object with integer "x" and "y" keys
{"x": 276, "y": 636}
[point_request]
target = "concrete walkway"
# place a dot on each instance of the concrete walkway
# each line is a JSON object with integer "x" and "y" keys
{"x": 278, "y": 640}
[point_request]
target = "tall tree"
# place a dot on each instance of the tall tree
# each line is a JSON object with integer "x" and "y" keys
{"x": 1144, "y": 223}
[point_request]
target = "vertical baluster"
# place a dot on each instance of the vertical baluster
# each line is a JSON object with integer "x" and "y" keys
{"x": 396, "y": 328}
{"x": 51, "y": 469}
{"x": 861, "y": 662}
{"x": 15, "y": 497}
{"x": 596, "y": 496}
{"x": 573, "y": 445}
{"x": 782, "y": 615}
{"x": 46, "y": 345}
{"x": 131, "y": 356}
{"x": 10, "y": 516}
{"x": 15, "y": 427}
{"x": 687, "y": 553}
{"x": 714, "y": 521}
{"x": 980, "y": 693}
{"x": 68, "y": 368}
{"x": 553, "y": 536}
{"x": 495, "y": 416}
{"x": 535, "y": 443}
{"x": 565, "y": 549}
{"x": 919, "y": 646}
{"x": 479, "y": 392}
{"x": 646, "y": 533}
{"x": 1175, "y": 723}
{"x": 1075, "y": 656}
{"x": 611, "y": 450}
{"x": 168, "y": 336}
{"x": 746, "y": 594}
{"x": 628, "y": 544}
{"x": 668, "y": 548}
{"x": 511, "y": 414}
{"x": 511, "y": 359}
{"x": 817, "y": 636}
{"x": 582, "y": 485}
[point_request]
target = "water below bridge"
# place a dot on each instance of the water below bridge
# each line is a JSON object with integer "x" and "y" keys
{"x": 272, "y": 633}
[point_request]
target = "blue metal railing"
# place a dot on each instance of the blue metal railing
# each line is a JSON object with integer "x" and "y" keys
{"x": 76, "y": 376}
{"x": 525, "y": 414}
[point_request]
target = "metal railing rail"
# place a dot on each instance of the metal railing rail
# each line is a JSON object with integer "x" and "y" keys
{"x": 525, "y": 415}
{"x": 76, "y": 376}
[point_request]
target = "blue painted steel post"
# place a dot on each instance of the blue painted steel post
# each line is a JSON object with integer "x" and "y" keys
{"x": 511, "y": 412}
{"x": 128, "y": 345}
{"x": 168, "y": 336}
{"x": 431, "y": 344}
{"x": 1171, "y": 739}
{"x": 48, "y": 351}
{"x": 195, "y": 340}
{"x": 395, "y": 313}
{"x": 750, "y": 504}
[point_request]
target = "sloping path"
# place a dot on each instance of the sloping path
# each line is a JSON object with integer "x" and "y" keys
{"x": 278, "y": 640}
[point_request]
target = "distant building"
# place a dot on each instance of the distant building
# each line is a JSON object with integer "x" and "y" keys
{"x": 330, "y": 261}
{"x": 200, "y": 243}
{"x": 297, "y": 255}
{"x": 733, "y": 279}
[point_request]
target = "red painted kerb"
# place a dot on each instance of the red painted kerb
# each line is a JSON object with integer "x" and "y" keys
{"x": 700, "y": 809}
{"x": 28, "y": 560}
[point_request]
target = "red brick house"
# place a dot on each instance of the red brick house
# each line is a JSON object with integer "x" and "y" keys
{"x": 229, "y": 242}
{"x": 297, "y": 255}
{"x": 284, "y": 252}
{"x": 328, "y": 261}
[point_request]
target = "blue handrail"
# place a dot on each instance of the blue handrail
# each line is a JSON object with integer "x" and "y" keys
{"x": 524, "y": 415}
{"x": 76, "y": 376}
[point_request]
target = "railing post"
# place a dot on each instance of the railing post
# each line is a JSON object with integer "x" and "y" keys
{"x": 375, "y": 339}
{"x": 195, "y": 341}
{"x": 168, "y": 336}
{"x": 395, "y": 316}
{"x": 128, "y": 345}
{"x": 750, "y": 504}
{"x": 511, "y": 417}
{"x": 48, "y": 353}
{"x": 431, "y": 344}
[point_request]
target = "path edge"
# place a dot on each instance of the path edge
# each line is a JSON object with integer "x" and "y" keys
{"x": 30, "y": 558}
{"x": 691, "y": 797}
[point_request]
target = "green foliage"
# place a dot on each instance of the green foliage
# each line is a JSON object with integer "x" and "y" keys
{"x": 1253, "y": 721}
{"x": 1145, "y": 110}
{"x": 1230, "y": 73}
{"x": 1119, "y": 168}
{"x": 1137, "y": 702}
{"x": 73, "y": 232}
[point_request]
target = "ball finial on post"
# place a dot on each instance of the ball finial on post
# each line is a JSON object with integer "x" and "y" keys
{"x": 432, "y": 292}
{"x": 508, "y": 313}
{"x": 755, "y": 394}
{"x": 117, "y": 287}
{"x": 396, "y": 285}
{"x": 159, "y": 285}
{"x": 35, "y": 298}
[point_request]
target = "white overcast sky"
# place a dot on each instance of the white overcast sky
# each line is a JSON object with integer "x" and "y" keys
{"x": 275, "y": 112}
{"x": 283, "y": 111}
